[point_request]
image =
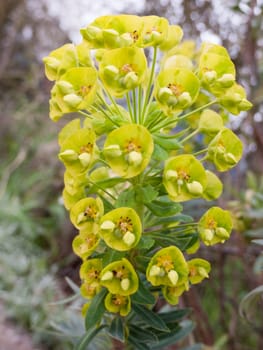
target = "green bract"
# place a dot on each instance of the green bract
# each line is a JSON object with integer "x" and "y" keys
{"x": 215, "y": 226}
{"x": 89, "y": 274}
{"x": 120, "y": 278}
{"x": 86, "y": 213}
{"x": 234, "y": 99}
{"x": 176, "y": 89}
{"x": 123, "y": 69}
{"x": 210, "y": 122}
{"x": 128, "y": 150}
{"x": 172, "y": 294}
{"x": 225, "y": 150}
{"x": 198, "y": 270}
{"x": 213, "y": 188}
{"x": 184, "y": 178}
{"x": 167, "y": 267}
{"x": 121, "y": 228}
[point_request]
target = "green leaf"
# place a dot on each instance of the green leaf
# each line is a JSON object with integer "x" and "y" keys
{"x": 163, "y": 208}
{"x": 146, "y": 193}
{"x": 180, "y": 218}
{"x": 96, "y": 310}
{"x": 137, "y": 345}
{"x": 145, "y": 243}
{"x": 142, "y": 335}
{"x": 143, "y": 295}
{"x": 168, "y": 339}
{"x": 105, "y": 184}
{"x": 87, "y": 338}
{"x": 126, "y": 198}
{"x": 159, "y": 153}
{"x": 112, "y": 255}
{"x": 174, "y": 316}
{"x": 183, "y": 242}
{"x": 117, "y": 329}
{"x": 249, "y": 308}
{"x": 167, "y": 142}
{"x": 150, "y": 318}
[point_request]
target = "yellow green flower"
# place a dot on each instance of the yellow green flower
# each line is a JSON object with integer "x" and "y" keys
{"x": 75, "y": 90}
{"x": 85, "y": 243}
{"x": 67, "y": 56}
{"x": 225, "y": 150}
{"x": 210, "y": 122}
{"x": 128, "y": 150}
{"x": 89, "y": 274}
{"x": 172, "y": 294}
{"x": 69, "y": 200}
{"x": 167, "y": 267}
{"x": 119, "y": 277}
{"x": 184, "y": 178}
{"x": 155, "y": 31}
{"x": 215, "y": 226}
{"x": 173, "y": 37}
{"x": 121, "y": 228}
{"x": 86, "y": 214}
{"x": 234, "y": 100}
{"x": 198, "y": 270}
{"x": 122, "y": 69}
{"x": 118, "y": 303}
{"x": 176, "y": 89}
{"x": 78, "y": 151}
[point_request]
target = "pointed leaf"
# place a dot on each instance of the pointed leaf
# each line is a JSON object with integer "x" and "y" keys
{"x": 87, "y": 338}
{"x": 117, "y": 329}
{"x": 163, "y": 208}
{"x": 167, "y": 142}
{"x": 150, "y": 317}
{"x": 143, "y": 295}
{"x": 142, "y": 335}
{"x": 174, "y": 316}
{"x": 96, "y": 309}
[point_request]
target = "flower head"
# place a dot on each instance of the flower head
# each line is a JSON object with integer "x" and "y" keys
{"x": 118, "y": 303}
{"x": 128, "y": 150}
{"x": 215, "y": 226}
{"x": 198, "y": 270}
{"x": 85, "y": 243}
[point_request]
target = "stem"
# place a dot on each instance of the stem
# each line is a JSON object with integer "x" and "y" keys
{"x": 100, "y": 109}
{"x": 129, "y": 106}
{"x": 200, "y": 152}
{"x": 156, "y": 121}
{"x": 85, "y": 114}
{"x": 164, "y": 125}
{"x": 148, "y": 91}
{"x": 113, "y": 101}
{"x": 190, "y": 136}
{"x": 134, "y": 106}
{"x": 197, "y": 109}
{"x": 102, "y": 189}
{"x": 140, "y": 104}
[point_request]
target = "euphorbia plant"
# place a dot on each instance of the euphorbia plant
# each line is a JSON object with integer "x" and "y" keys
{"x": 142, "y": 99}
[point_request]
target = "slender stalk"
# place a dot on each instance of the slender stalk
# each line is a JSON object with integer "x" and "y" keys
{"x": 148, "y": 91}
{"x": 134, "y": 100}
{"x": 192, "y": 134}
{"x": 200, "y": 152}
{"x": 113, "y": 101}
{"x": 128, "y": 99}
{"x": 100, "y": 109}
{"x": 102, "y": 189}
{"x": 85, "y": 114}
{"x": 156, "y": 121}
{"x": 140, "y": 104}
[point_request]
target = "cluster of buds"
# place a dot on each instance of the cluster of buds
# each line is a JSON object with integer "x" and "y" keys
{"x": 130, "y": 156}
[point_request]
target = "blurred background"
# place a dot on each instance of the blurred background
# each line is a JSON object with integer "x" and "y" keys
{"x": 37, "y": 266}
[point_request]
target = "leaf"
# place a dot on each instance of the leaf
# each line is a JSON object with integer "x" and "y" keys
{"x": 159, "y": 153}
{"x": 258, "y": 241}
{"x": 174, "y": 316}
{"x": 142, "y": 335}
{"x": 179, "y": 218}
{"x": 168, "y": 339}
{"x": 150, "y": 317}
{"x": 167, "y": 142}
{"x": 112, "y": 255}
{"x": 87, "y": 338}
{"x": 145, "y": 243}
{"x": 163, "y": 208}
{"x": 126, "y": 198}
{"x": 143, "y": 295}
{"x": 96, "y": 309}
{"x": 146, "y": 193}
{"x": 117, "y": 329}
{"x": 111, "y": 182}
{"x": 137, "y": 345}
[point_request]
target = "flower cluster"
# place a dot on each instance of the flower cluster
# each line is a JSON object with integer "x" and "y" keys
{"x": 132, "y": 156}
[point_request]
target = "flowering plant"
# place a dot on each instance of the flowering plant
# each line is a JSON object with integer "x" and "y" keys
{"x": 143, "y": 99}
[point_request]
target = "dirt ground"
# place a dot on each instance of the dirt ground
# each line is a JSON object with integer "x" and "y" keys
{"x": 13, "y": 337}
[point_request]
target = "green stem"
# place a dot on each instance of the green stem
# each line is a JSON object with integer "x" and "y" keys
{"x": 200, "y": 152}
{"x": 134, "y": 100}
{"x": 192, "y": 134}
{"x": 85, "y": 114}
{"x": 100, "y": 109}
{"x": 156, "y": 121}
{"x": 128, "y": 99}
{"x": 113, "y": 101}
{"x": 102, "y": 189}
{"x": 198, "y": 109}
{"x": 148, "y": 91}
{"x": 140, "y": 104}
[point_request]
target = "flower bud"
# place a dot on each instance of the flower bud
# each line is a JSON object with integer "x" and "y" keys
{"x": 65, "y": 87}
{"x": 107, "y": 225}
{"x": 230, "y": 158}
{"x": 208, "y": 235}
{"x": 226, "y": 80}
{"x": 155, "y": 271}
{"x": 185, "y": 98}
{"x": 222, "y": 233}
{"x": 210, "y": 76}
{"x": 126, "y": 39}
{"x": 113, "y": 150}
{"x": 91, "y": 32}
{"x": 195, "y": 187}
{"x": 164, "y": 93}
{"x": 244, "y": 105}
{"x": 68, "y": 155}
{"x": 72, "y": 100}
{"x": 111, "y": 71}
{"x": 135, "y": 158}
{"x": 171, "y": 175}
{"x": 129, "y": 238}
{"x": 202, "y": 271}
{"x": 85, "y": 159}
{"x": 107, "y": 276}
{"x": 125, "y": 284}
{"x": 130, "y": 80}
{"x": 173, "y": 276}
{"x": 51, "y": 62}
